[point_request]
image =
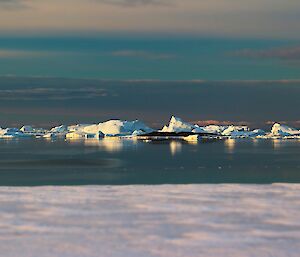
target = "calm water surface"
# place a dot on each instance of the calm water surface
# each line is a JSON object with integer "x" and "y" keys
{"x": 125, "y": 162}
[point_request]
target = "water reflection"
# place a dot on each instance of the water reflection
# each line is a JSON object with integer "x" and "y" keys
{"x": 230, "y": 145}
{"x": 175, "y": 147}
{"x": 277, "y": 144}
{"x": 111, "y": 145}
{"x": 255, "y": 142}
{"x": 114, "y": 161}
{"x": 192, "y": 142}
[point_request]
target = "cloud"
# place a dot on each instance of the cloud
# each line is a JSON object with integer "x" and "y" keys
{"x": 133, "y": 3}
{"x": 17, "y": 53}
{"x": 250, "y": 18}
{"x": 269, "y": 123}
{"x": 16, "y": 4}
{"x": 11, "y": 53}
{"x": 294, "y": 123}
{"x": 220, "y": 122}
{"x": 282, "y": 53}
{"x": 142, "y": 54}
{"x": 7, "y": 53}
{"x": 12, "y": 4}
{"x": 32, "y": 94}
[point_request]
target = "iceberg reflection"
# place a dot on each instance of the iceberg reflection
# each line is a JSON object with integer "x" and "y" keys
{"x": 175, "y": 147}
{"x": 110, "y": 144}
{"x": 277, "y": 144}
{"x": 230, "y": 145}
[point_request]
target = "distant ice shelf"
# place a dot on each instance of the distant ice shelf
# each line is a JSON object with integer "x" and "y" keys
{"x": 177, "y": 128}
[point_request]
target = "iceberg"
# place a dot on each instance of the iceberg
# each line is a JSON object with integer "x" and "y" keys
{"x": 11, "y": 133}
{"x": 27, "y": 129}
{"x": 77, "y": 127}
{"x": 119, "y": 128}
{"x": 231, "y": 130}
{"x": 109, "y": 128}
{"x": 59, "y": 129}
{"x": 247, "y": 134}
{"x": 83, "y": 135}
{"x": 284, "y": 131}
{"x": 214, "y": 129}
{"x": 175, "y": 129}
{"x": 31, "y": 131}
{"x": 177, "y": 125}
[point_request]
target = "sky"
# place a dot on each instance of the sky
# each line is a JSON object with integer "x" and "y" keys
{"x": 151, "y": 39}
{"x": 247, "y": 18}
{"x": 47, "y": 102}
{"x": 148, "y": 40}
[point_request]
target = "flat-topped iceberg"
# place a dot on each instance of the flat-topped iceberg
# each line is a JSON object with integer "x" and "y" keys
{"x": 119, "y": 128}
{"x": 247, "y": 134}
{"x": 232, "y": 130}
{"x": 31, "y": 131}
{"x": 109, "y": 128}
{"x": 214, "y": 129}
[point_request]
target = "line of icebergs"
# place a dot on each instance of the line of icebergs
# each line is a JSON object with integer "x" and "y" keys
{"x": 136, "y": 128}
{"x": 232, "y": 131}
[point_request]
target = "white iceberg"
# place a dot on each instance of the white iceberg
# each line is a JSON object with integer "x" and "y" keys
{"x": 247, "y": 134}
{"x": 214, "y": 129}
{"x": 59, "y": 129}
{"x": 231, "y": 130}
{"x": 11, "y": 133}
{"x": 31, "y": 131}
{"x": 178, "y": 125}
{"x": 284, "y": 131}
{"x": 118, "y": 128}
{"x": 78, "y": 127}
{"x": 27, "y": 129}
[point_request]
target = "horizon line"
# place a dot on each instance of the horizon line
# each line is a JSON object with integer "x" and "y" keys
{"x": 149, "y": 80}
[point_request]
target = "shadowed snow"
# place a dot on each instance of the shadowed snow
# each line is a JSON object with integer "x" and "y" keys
{"x": 183, "y": 220}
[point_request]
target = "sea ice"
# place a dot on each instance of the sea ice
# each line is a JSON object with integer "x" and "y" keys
{"x": 165, "y": 221}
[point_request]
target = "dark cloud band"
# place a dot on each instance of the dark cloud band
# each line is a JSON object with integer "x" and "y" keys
{"x": 12, "y": 4}
{"x": 33, "y": 94}
{"x": 142, "y": 54}
{"x": 131, "y": 3}
{"x": 283, "y": 53}
{"x": 16, "y": 4}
